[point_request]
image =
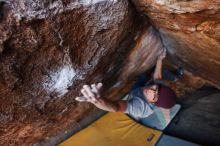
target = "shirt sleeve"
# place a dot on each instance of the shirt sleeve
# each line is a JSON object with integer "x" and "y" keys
{"x": 137, "y": 108}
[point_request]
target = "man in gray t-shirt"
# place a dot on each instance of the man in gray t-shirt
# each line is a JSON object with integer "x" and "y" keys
{"x": 141, "y": 101}
{"x": 138, "y": 106}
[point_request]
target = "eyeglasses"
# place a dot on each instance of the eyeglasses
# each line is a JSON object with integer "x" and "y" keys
{"x": 156, "y": 91}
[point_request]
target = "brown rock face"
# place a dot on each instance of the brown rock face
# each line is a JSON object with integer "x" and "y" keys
{"x": 48, "y": 50}
{"x": 190, "y": 29}
{"x": 144, "y": 54}
{"x": 47, "y": 53}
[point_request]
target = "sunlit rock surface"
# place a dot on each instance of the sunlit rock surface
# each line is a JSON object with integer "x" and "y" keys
{"x": 144, "y": 54}
{"x": 48, "y": 50}
{"x": 190, "y": 29}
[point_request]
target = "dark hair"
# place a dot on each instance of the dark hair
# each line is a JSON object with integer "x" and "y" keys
{"x": 152, "y": 82}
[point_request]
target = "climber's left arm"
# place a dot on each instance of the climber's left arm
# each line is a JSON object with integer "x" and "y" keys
{"x": 158, "y": 69}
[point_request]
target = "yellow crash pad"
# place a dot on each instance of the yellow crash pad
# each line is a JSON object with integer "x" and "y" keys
{"x": 114, "y": 129}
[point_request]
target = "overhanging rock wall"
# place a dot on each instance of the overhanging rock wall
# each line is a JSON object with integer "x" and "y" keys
{"x": 48, "y": 50}
{"x": 190, "y": 30}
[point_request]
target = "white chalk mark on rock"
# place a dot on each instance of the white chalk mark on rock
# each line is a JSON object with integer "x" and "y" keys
{"x": 61, "y": 80}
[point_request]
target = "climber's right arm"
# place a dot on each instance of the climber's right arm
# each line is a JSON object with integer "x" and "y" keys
{"x": 91, "y": 94}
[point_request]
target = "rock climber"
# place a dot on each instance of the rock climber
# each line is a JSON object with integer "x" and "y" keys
{"x": 142, "y": 99}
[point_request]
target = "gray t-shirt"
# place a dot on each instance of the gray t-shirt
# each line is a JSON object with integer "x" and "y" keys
{"x": 138, "y": 107}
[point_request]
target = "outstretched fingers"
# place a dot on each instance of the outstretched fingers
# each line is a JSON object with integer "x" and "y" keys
{"x": 94, "y": 88}
{"x": 84, "y": 93}
{"x": 81, "y": 99}
{"x": 99, "y": 86}
{"x": 89, "y": 92}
